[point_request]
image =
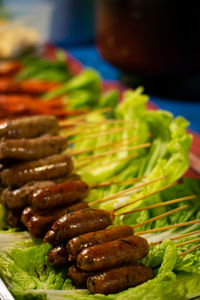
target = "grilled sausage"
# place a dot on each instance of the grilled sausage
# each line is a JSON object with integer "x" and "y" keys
{"x": 118, "y": 279}
{"x": 38, "y": 225}
{"x": 44, "y": 169}
{"x": 77, "y": 244}
{"x": 78, "y": 277}
{"x": 111, "y": 254}
{"x": 31, "y": 86}
{"x": 19, "y": 197}
{"x": 29, "y": 127}
{"x": 58, "y": 195}
{"x": 32, "y": 149}
{"x": 76, "y": 223}
{"x": 58, "y": 256}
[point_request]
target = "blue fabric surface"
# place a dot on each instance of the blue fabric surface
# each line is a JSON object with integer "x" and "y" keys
{"x": 89, "y": 57}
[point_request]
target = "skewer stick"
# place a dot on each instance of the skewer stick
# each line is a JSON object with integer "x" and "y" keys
{"x": 189, "y": 250}
{"x": 108, "y": 183}
{"x": 188, "y": 242}
{"x": 116, "y": 195}
{"x": 141, "y": 146}
{"x": 106, "y": 164}
{"x": 178, "y": 237}
{"x": 68, "y": 122}
{"x": 168, "y": 227}
{"x": 146, "y": 196}
{"x": 161, "y": 216}
{"x": 103, "y": 122}
{"x": 77, "y": 152}
{"x": 96, "y": 135}
{"x": 155, "y": 205}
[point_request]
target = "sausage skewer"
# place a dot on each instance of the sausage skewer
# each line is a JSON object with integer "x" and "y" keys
{"x": 119, "y": 278}
{"x": 77, "y": 244}
{"x": 88, "y": 220}
{"x": 29, "y": 127}
{"x": 44, "y": 169}
{"x": 32, "y": 149}
{"x": 38, "y": 225}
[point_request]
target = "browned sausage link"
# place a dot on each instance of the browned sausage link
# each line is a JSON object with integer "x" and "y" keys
{"x": 38, "y": 225}
{"x": 19, "y": 197}
{"x": 31, "y": 149}
{"x": 44, "y": 169}
{"x": 29, "y": 127}
{"x": 31, "y": 86}
{"x": 78, "y": 277}
{"x": 27, "y": 213}
{"x": 118, "y": 279}
{"x": 111, "y": 254}
{"x": 58, "y": 195}
{"x": 13, "y": 218}
{"x": 57, "y": 256}
{"x": 76, "y": 223}
{"x": 77, "y": 244}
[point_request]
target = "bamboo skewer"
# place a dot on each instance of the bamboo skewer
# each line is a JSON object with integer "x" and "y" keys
{"x": 188, "y": 242}
{"x": 116, "y": 195}
{"x": 156, "y": 205}
{"x": 168, "y": 227}
{"x": 106, "y": 164}
{"x": 161, "y": 216}
{"x": 146, "y": 196}
{"x": 178, "y": 237}
{"x": 96, "y": 135}
{"x": 189, "y": 250}
{"x": 68, "y": 122}
{"x": 127, "y": 142}
{"x": 107, "y": 183}
{"x": 141, "y": 146}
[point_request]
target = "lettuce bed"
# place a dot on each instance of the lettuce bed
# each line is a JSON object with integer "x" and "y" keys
{"x": 23, "y": 261}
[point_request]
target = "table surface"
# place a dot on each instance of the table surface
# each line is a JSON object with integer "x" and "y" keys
{"x": 89, "y": 57}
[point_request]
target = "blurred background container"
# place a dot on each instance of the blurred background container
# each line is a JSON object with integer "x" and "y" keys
{"x": 154, "y": 42}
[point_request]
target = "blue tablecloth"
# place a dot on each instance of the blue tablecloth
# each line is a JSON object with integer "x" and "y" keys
{"x": 89, "y": 57}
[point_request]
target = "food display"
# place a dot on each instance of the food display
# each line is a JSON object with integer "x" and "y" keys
{"x": 93, "y": 202}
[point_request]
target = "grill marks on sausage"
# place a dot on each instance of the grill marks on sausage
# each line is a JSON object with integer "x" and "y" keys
{"x": 118, "y": 279}
{"x": 111, "y": 254}
{"x": 77, "y": 223}
{"x": 77, "y": 244}
{"x": 58, "y": 195}
{"x": 44, "y": 169}
{"x": 32, "y": 149}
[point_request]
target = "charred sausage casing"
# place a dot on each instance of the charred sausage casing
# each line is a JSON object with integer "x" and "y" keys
{"x": 19, "y": 198}
{"x": 76, "y": 223}
{"x": 111, "y": 254}
{"x": 32, "y": 149}
{"x": 43, "y": 169}
{"x": 58, "y": 195}
{"x": 78, "y": 277}
{"x": 77, "y": 244}
{"x": 58, "y": 256}
{"x": 118, "y": 279}
{"x": 38, "y": 225}
{"x": 29, "y": 127}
